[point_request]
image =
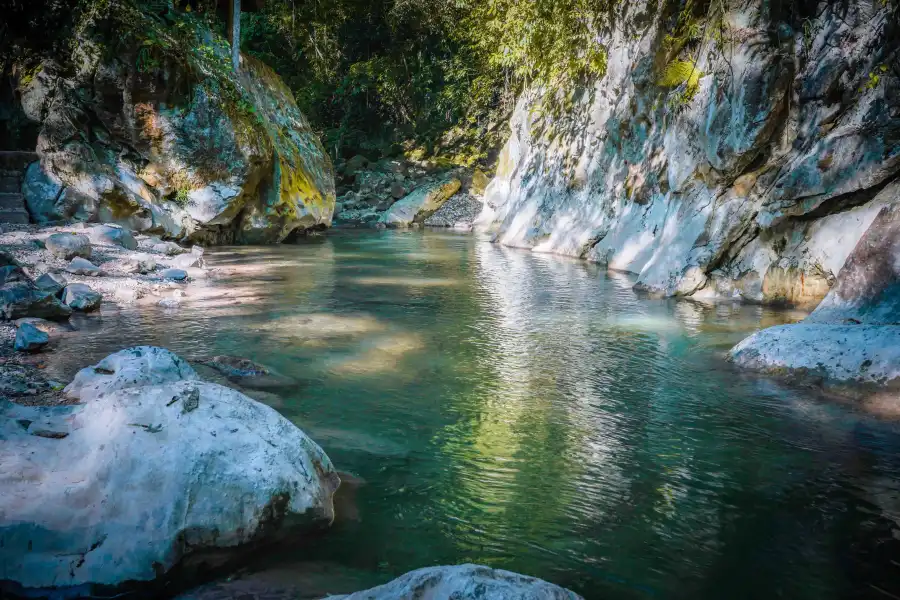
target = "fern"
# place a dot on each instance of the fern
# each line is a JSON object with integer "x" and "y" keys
{"x": 682, "y": 72}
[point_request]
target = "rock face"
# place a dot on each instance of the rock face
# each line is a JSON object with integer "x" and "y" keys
{"x": 854, "y": 333}
{"x": 179, "y": 145}
{"x": 149, "y": 473}
{"x": 420, "y": 204}
{"x": 754, "y": 180}
{"x": 469, "y": 582}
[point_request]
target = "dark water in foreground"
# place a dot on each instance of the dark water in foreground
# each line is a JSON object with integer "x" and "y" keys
{"x": 532, "y": 413}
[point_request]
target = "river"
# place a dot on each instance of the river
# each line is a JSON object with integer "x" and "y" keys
{"x": 534, "y": 413}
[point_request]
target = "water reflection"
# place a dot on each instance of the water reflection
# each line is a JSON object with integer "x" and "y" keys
{"x": 534, "y": 413}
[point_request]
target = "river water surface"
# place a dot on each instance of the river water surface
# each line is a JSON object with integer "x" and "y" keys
{"x": 533, "y": 413}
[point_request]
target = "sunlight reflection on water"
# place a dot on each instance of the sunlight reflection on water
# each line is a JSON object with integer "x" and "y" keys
{"x": 533, "y": 413}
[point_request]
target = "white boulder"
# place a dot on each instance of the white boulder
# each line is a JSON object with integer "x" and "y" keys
{"x": 465, "y": 582}
{"x": 143, "y": 477}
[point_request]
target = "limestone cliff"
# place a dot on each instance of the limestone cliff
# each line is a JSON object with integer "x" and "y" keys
{"x": 147, "y": 125}
{"x": 753, "y": 173}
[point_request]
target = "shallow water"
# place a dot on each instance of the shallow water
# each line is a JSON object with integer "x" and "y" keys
{"x": 533, "y": 413}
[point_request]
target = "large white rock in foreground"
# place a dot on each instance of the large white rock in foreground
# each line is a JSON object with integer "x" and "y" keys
{"x": 463, "y": 582}
{"x": 156, "y": 468}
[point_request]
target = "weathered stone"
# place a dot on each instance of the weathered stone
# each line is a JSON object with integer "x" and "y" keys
{"x": 29, "y": 338}
{"x": 187, "y": 261}
{"x": 355, "y": 164}
{"x": 470, "y": 582}
{"x": 69, "y": 245}
{"x": 140, "y": 478}
{"x": 421, "y": 204}
{"x": 80, "y": 266}
{"x": 11, "y": 274}
{"x": 23, "y": 299}
{"x": 867, "y": 289}
{"x": 81, "y": 298}
{"x": 169, "y": 248}
{"x": 854, "y": 334}
{"x": 52, "y": 283}
{"x": 44, "y": 195}
{"x": 398, "y": 190}
{"x": 113, "y": 236}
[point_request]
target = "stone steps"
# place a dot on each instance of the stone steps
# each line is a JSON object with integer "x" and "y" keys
{"x": 12, "y": 168}
{"x": 12, "y": 208}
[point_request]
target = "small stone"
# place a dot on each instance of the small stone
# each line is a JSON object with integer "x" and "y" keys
{"x": 30, "y": 339}
{"x": 169, "y": 248}
{"x": 80, "y": 266}
{"x": 51, "y": 282}
{"x": 175, "y": 274}
{"x": 397, "y": 190}
{"x": 69, "y": 245}
{"x": 169, "y": 303}
{"x": 80, "y": 297}
{"x": 187, "y": 261}
{"x": 127, "y": 295}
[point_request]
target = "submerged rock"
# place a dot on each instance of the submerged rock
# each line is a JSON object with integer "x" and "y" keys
{"x": 466, "y": 582}
{"x": 249, "y": 374}
{"x": 68, "y": 245}
{"x": 149, "y": 472}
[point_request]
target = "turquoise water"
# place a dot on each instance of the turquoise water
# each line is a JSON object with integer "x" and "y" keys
{"x": 534, "y": 413}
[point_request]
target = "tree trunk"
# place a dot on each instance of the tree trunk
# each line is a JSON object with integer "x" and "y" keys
{"x": 234, "y": 32}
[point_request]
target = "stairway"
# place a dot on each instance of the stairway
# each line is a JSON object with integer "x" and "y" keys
{"x": 12, "y": 170}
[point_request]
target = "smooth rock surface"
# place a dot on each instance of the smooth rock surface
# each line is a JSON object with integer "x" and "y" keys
{"x": 68, "y": 245}
{"x": 81, "y": 266}
{"x": 421, "y": 204}
{"x": 81, "y": 298}
{"x": 114, "y": 236}
{"x": 829, "y": 352}
{"x": 463, "y": 582}
{"x": 175, "y": 274}
{"x": 29, "y": 338}
{"x": 133, "y": 367}
{"x": 137, "y": 479}
{"x": 853, "y": 336}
